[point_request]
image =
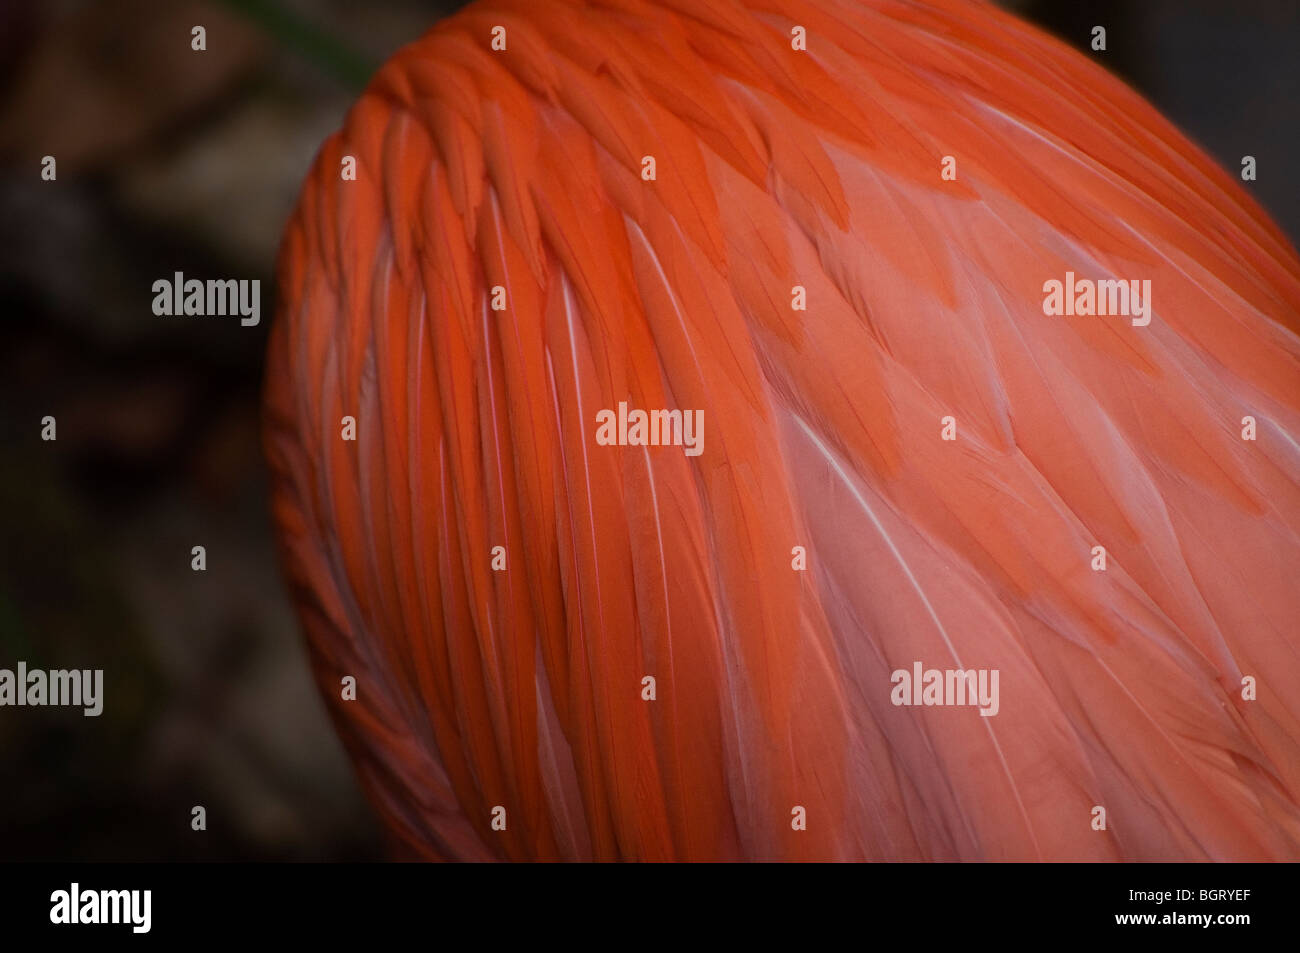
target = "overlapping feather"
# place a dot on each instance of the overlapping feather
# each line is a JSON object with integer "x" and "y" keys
{"x": 523, "y": 688}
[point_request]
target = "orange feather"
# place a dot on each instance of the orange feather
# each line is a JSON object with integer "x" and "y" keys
{"x": 522, "y": 687}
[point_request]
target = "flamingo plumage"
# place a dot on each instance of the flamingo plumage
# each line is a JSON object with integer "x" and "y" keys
{"x": 500, "y": 584}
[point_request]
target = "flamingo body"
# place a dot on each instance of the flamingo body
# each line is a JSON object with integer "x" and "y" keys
{"x": 500, "y": 584}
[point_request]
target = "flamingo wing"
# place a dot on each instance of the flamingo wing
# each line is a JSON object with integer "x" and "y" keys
{"x": 500, "y": 584}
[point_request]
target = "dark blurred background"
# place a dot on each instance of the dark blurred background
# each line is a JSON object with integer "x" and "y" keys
{"x": 170, "y": 160}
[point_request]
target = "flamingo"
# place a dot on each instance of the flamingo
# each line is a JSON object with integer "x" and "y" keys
{"x": 830, "y": 230}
